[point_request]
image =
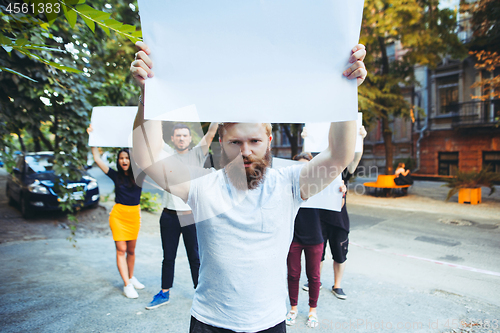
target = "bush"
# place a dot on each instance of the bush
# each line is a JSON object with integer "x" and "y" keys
{"x": 472, "y": 179}
{"x": 149, "y": 202}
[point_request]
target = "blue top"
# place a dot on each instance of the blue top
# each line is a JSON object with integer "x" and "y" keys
{"x": 126, "y": 192}
{"x": 308, "y": 227}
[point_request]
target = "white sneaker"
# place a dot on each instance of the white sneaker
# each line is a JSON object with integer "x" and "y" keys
{"x": 129, "y": 291}
{"x": 290, "y": 318}
{"x": 136, "y": 283}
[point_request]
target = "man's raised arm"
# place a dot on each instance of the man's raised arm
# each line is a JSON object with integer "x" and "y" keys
{"x": 325, "y": 167}
{"x": 167, "y": 172}
{"x": 207, "y": 139}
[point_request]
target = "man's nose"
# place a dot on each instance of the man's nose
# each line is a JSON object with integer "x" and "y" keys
{"x": 245, "y": 150}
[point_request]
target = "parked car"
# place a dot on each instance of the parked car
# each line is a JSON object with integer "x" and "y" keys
{"x": 31, "y": 185}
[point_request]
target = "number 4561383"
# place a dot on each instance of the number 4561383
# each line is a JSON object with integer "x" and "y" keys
{"x": 25, "y": 8}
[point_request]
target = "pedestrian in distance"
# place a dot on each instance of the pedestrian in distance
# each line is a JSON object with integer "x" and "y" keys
{"x": 244, "y": 212}
{"x": 177, "y": 218}
{"x": 125, "y": 217}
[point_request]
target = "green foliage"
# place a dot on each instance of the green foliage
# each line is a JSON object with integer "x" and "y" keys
{"x": 72, "y": 67}
{"x": 36, "y": 14}
{"x": 471, "y": 179}
{"x": 149, "y": 202}
{"x": 426, "y": 33}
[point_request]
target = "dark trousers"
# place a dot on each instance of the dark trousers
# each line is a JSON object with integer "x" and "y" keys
{"x": 170, "y": 228}
{"x": 197, "y": 326}
{"x": 313, "y": 261}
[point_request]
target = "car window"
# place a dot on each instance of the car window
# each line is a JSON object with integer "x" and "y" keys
{"x": 39, "y": 163}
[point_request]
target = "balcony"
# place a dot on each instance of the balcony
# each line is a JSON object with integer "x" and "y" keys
{"x": 475, "y": 113}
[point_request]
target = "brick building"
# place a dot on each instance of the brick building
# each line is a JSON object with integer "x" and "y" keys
{"x": 454, "y": 131}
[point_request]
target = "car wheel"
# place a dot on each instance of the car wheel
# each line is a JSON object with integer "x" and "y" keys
{"x": 25, "y": 210}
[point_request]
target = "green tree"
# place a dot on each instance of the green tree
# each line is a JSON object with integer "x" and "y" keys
{"x": 56, "y": 67}
{"x": 427, "y": 34}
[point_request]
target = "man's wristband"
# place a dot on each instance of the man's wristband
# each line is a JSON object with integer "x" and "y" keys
{"x": 140, "y": 100}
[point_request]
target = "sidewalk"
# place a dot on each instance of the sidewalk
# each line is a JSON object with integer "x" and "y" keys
{"x": 429, "y": 196}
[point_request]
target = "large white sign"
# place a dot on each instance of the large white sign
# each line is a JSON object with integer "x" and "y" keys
{"x": 330, "y": 198}
{"x": 251, "y": 61}
{"x": 112, "y": 126}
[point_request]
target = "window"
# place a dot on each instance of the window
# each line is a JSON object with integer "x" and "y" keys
{"x": 448, "y": 164}
{"x": 448, "y": 94}
{"x": 491, "y": 159}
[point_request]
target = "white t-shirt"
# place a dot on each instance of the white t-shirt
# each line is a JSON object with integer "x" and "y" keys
{"x": 194, "y": 157}
{"x": 244, "y": 239}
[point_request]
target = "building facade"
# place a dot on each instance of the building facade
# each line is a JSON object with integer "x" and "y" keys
{"x": 451, "y": 130}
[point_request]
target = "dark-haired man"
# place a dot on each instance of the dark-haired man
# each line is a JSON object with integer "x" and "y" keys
{"x": 177, "y": 218}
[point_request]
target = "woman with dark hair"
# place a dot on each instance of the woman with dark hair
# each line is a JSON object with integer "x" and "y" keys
{"x": 125, "y": 217}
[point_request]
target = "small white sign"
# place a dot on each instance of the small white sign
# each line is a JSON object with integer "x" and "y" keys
{"x": 112, "y": 126}
{"x": 330, "y": 198}
{"x": 317, "y": 136}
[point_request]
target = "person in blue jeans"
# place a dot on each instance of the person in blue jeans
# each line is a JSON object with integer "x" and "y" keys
{"x": 177, "y": 218}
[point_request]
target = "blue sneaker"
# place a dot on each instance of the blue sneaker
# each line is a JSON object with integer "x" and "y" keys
{"x": 160, "y": 299}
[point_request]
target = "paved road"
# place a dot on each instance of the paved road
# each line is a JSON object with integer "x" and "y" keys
{"x": 415, "y": 264}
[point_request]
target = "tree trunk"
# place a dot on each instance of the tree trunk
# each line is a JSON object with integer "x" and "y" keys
{"x": 386, "y": 130}
{"x": 21, "y": 141}
{"x": 54, "y": 127}
{"x": 36, "y": 134}
{"x": 294, "y": 146}
{"x": 389, "y": 147}
{"x": 46, "y": 142}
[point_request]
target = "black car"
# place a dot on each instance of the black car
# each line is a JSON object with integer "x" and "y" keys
{"x": 31, "y": 184}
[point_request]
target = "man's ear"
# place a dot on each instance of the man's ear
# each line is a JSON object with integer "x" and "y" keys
{"x": 172, "y": 138}
{"x": 270, "y": 138}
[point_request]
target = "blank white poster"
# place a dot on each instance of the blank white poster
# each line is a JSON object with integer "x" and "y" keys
{"x": 112, "y": 126}
{"x": 251, "y": 61}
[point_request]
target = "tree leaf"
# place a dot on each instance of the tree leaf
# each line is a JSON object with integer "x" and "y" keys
{"x": 71, "y": 15}
{"x": 17, "y": 73}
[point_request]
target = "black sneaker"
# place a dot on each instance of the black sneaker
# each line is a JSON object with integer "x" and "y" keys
{"x": 306, "y": 286}
{"x": 339, "y": 293}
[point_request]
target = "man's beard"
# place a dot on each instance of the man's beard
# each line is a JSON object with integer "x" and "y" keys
{"x": 246, "y": 178}
{"x": 180, "y": 149}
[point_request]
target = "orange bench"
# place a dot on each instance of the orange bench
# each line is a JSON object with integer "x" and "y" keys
{"x": 386, "y": 184}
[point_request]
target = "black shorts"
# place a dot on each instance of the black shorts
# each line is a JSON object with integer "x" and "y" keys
{"x": 197, "y": 326}
{"x": 339, "y": 242}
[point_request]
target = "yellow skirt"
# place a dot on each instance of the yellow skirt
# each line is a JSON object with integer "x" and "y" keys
{"x": 125, "y": 222}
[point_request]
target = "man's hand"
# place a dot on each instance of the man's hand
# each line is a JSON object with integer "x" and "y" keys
{"x": 142, "y": 65}
{"x": 304, "y": 133}
{"x": 362, "y": 131}
{"x": 358, "y": 69}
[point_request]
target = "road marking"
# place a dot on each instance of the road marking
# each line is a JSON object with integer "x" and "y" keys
{"x": 466, "y": 268}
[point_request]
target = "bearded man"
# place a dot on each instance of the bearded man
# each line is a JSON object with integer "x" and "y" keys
{"x": 244, "y": 211}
